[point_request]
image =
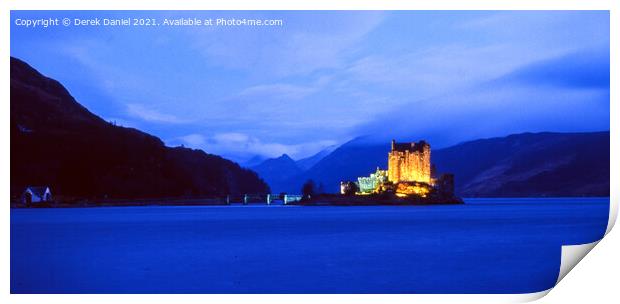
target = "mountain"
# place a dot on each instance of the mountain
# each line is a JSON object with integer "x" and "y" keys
{"x": 56, "y": 141}
{"x": 277, "y": 171}
{"x": 358, "y": 157}
{"x": 254, "y": 161}
{"x": 528, "y": 164}
{"x": 308, "y": 162}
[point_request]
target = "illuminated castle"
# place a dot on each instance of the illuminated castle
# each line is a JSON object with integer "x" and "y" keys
{"x": 410, "y": 162}
{"x": 408, "y": 174}
{"x": 367, "y": 184}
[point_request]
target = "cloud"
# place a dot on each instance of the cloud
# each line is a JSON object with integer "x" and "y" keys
{"x": 241, "y": 147}
{"x": 280, "y": 91}
{"x": 150, "y": 115}
{"x": 558, "y": 94}
{"x": 435, "y": 70}
{"x": 304, "y": 44}
{"x": 329, "y": 76}
{"x": 193, "y": 140}
{"x": 109, "y": 75}
{"x": 582, "y": 70}
{"x": 283, "y": 111}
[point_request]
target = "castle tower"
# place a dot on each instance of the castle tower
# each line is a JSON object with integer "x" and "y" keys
{"x": 410, "y": 162}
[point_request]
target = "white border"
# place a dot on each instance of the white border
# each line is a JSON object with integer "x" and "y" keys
{"x": 314, "y": 5}
{"x": 563, "y": 294}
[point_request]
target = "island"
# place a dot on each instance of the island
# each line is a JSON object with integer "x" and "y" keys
{"x": 409, "y": 179}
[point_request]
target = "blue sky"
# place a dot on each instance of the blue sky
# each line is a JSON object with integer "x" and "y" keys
{"x": 323, "y": 78}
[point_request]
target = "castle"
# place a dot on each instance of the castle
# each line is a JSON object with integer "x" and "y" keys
{"x": 409, "y": 174}
{"x": 367, "y": 184}
{"x": 410, "y": 162}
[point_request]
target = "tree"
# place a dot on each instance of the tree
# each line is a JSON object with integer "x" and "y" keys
{"x": 349, "y": 188}
{"x": 308, "y": 189}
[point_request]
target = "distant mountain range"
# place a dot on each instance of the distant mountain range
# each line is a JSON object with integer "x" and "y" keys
{"x": 309, "y": 162}
{"x": 520, "y": 165}
{"x": 57, "y": 142}
{"x": 279, "y": 171}
{"x": 530, "y": 164}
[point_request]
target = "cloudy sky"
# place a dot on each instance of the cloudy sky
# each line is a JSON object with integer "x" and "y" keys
{"x": 323, "y": 78}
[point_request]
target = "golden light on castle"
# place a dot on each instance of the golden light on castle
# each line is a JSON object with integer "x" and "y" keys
{"x": 407, "y": 188}
{"x": 410, "y": 162}
{"x": 409, "y": 174}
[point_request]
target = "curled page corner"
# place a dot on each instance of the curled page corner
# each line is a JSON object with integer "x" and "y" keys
{"x": 531, "y": 297}
{"x": 571, "y": 255}
{"x": 613, "y": 215}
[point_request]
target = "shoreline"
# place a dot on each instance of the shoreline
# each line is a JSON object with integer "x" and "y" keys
{"x": 215, "y": 202}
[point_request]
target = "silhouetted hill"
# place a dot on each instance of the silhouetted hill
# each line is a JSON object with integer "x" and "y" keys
{"x": 55, "y": 141}
{"x": 308, "y": 162}
{"x": 254, "y": 161}
{"x": 354, "y": 158}
{"x": 529, "y": 164}
{"x": 276, "y": 171}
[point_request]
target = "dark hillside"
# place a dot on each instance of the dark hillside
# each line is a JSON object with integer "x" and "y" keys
{"x": 55, "y": 141}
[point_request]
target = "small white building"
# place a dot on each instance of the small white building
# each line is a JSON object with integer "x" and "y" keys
{"x": 36, "y": 195}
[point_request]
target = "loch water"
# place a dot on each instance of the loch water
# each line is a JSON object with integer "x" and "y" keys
{"x": 484, "y": 246}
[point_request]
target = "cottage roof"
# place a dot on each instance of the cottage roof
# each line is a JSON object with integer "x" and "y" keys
{"x": 37, "y": 190}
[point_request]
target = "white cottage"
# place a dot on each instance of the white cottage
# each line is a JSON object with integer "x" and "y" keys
{"x": 36, "y": 195}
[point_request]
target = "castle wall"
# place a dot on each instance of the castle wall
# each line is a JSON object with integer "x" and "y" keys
{"x": 410, "y": 163}
{"x": 370, "y": 183}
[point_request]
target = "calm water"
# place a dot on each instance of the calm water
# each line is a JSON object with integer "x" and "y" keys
{"x": 485, "y": 246}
